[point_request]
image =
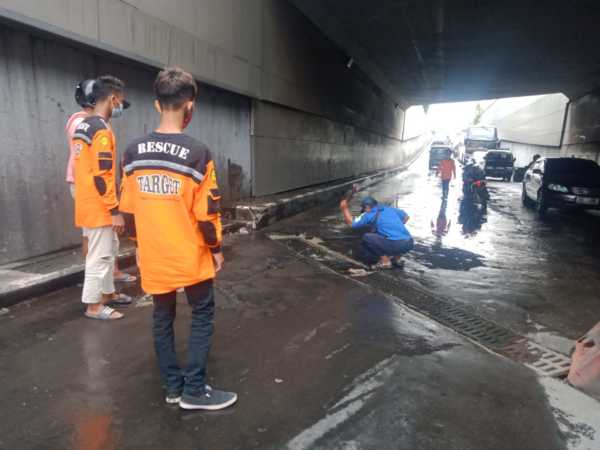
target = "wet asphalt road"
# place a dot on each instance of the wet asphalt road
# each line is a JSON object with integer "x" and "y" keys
{"x": 538, "y": 278}
{"x": 321, "y": 361}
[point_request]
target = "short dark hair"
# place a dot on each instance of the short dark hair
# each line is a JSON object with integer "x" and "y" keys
{"x": 106, "y": 85}
{"x": 173, "y": 87}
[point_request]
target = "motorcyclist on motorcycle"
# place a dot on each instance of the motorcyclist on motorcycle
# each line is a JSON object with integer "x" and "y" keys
{"x": 472, "y": 172}
{"x": 474, "y": 186}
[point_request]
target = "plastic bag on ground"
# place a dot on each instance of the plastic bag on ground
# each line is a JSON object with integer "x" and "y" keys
{"x": 585, "y": 363}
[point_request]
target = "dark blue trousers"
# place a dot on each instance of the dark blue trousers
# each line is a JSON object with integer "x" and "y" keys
{"x": 191, "y": 381}
{"x": 445, "y": 188}
{"x": 373, "y": 246}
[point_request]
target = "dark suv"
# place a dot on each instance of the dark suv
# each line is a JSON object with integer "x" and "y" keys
{"x": 562, "y": 183}
{"x": 499, "y": 164}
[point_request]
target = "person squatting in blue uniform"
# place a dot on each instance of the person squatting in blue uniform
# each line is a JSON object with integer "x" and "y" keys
{"x": 388, "y": 238}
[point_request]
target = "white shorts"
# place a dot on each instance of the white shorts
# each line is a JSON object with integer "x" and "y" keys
{"x": 103, "y": 248}
{"x": 72, "y": 192}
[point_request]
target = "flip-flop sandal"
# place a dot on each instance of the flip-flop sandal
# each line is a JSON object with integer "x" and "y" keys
{"x": 104, "y": 314}
{"x": 125, "y": 277}
{"x": 121, "y": 300}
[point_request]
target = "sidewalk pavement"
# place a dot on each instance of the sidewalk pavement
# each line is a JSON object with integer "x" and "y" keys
{"x": 22, "y": 280}
{"x": 37, "y": 276}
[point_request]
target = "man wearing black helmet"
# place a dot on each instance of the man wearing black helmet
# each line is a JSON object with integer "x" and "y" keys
{"x": 96, "y": 204}
{"x": 388, "y": 238}
{"x": 85, "y": 99}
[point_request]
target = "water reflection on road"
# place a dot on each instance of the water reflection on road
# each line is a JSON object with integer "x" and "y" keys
{"x": 537, "y": 277}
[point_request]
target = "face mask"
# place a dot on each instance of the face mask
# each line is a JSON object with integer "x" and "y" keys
{"x": 117, "y": 111}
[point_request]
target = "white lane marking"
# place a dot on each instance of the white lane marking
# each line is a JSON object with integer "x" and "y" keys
{"x": 309, "y": 436}
{"x": 318, "y": 243}
{"x": 363, "y": 388}
{"x": 337, "y": 350}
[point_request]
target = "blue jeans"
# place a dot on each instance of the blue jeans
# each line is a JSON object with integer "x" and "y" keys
{"x": 191, "y": 380}
{"x": 373, "y": 246}
{"x": 445, "y": 188}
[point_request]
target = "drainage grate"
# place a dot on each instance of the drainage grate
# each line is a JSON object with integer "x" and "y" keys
{"x": 445, "y": 311}
{"x": 544, "y": 361}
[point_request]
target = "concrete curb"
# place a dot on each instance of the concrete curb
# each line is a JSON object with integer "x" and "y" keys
{"x": 258, "y": 215}
{"x": 39, "y": 284}
{"x": 26, "y": 285}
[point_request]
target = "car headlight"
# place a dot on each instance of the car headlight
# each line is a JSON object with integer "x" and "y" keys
{"x": 558, "y": 187}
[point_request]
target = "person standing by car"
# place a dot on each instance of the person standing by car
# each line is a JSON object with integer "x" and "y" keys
{"x": 533, "y": 160}
{"x": 170, "y": 187}
{"x": 447, "y": 171}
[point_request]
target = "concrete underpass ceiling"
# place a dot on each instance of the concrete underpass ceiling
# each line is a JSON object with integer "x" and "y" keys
{"x": 430, "y": 51}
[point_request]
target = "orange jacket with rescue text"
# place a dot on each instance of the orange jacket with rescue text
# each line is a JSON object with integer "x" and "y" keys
{"x": 170, "y": 187}
{"x": 95, "y": 188}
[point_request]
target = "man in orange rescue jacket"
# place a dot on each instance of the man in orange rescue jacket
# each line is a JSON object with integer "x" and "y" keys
{"x": 170, "y": 186}
{"x": 96, "y": 205}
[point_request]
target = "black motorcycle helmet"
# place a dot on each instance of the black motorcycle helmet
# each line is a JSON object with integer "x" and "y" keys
{"x": 84, "y": 94}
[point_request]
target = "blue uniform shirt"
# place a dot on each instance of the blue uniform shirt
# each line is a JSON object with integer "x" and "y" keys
{"x": 390, "y": 223}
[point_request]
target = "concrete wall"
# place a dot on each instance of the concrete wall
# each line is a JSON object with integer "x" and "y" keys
{"x": 36, "y": 97}
{"x": 294, "y": 149}
{"x": 215, "y": 39}
{"x": 536, "y": 126}
{"x": 537, "y": 122}
{"x": 313, "y": 119}
{"x": 529, "y": 125}
{"x": 524, "y": 152}
{"x": 265, "y": 49}
{"x": 303, "y": 70}
{"x": 318, "y": 120}
{"x": 582, "y": 133}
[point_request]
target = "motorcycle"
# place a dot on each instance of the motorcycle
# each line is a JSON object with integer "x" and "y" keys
{"x": 474, "y": 185}
{"x": 471, "y": 216}
{"x": 477, "y": 190}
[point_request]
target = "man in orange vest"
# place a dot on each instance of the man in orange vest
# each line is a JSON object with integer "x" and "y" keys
{"x": 447, "y": 171}
{"x": 96, "y": 204}
{"x": 84, "y": 98}
{"x": 170, "y": 187}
